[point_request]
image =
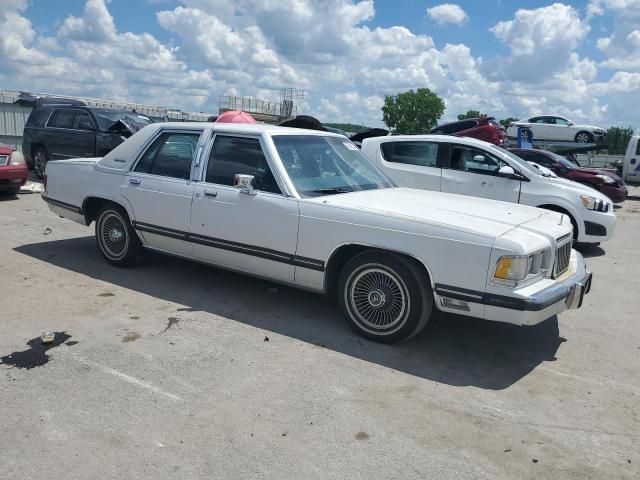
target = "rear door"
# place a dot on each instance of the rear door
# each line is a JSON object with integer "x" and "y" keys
{"x": 413, "y": 163}
{"x": 58, "y": 134}
{"x": 473, "y": 171}
{"x": 160, "y": 191}
{"x": 82, "y": 138}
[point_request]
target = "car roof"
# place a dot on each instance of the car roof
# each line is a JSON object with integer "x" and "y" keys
{"x": 124, "y": 154}
{"x": 255, "y": 128}
{"x": 472, "y": 142}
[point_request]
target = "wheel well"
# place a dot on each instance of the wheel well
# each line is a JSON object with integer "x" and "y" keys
{"x": 584, "y": 131}
{"x": 92, "y": 205}
{"x": 556, "y": 208}
{"x": 341, "y": 256}
{"x": 36, "y": 146}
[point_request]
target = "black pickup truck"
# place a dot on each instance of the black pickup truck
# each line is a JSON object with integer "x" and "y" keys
{"x": 57, "y": 131}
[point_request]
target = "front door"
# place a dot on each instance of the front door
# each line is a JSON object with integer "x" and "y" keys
{"x": 253, "y": 232}
{"x": 160, "y": 191}
{"x": 474, "y": 172}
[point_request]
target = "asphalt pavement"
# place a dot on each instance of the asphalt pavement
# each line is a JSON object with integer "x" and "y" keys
{"x": 178, "y": 370}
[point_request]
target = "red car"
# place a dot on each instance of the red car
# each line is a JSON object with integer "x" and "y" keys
{"x": 605, "y": 182}
{"x": 13, "y": 169}
{"x": 482, "y": 128}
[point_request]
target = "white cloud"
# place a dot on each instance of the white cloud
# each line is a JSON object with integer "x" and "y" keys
{"x": 256, "y": 47}
{"x": 447, "y": 13}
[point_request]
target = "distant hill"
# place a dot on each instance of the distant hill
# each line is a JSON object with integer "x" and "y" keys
{"x": 348, "y": 127}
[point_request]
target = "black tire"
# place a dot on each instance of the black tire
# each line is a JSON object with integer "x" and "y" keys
{"x": 40, "y": 159}
{"x": 117, "y": 240}
{"x": 583, "y": 137}
{"x": 385, "y": 298}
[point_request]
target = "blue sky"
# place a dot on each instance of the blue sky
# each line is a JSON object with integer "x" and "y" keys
{"x": 505, "y": 58}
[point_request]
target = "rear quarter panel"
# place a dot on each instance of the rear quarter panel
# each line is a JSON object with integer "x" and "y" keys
{"x": 73, "y": 181}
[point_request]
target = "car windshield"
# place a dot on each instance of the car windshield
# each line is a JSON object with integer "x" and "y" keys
{"x": 107, "y": 118}
{"x": 325, "y": 165}
{"x": 517, "y": 160}
{"x": 565, "y": 163}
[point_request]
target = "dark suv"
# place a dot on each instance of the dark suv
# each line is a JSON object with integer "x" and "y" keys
{"x": 58, "y": 131}
{"x": 482, "y": 128}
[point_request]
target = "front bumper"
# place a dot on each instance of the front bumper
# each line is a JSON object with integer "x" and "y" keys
{"x": 606, "y": 225}
{"x": 533, "y": 304}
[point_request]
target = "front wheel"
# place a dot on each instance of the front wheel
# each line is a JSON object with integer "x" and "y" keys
{"x": 116, "y": 238}
{"x": 385, "y": 297}
{"x": 583, "y": 137}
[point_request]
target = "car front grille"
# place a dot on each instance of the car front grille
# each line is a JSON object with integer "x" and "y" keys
{"x": 563, "y": 255}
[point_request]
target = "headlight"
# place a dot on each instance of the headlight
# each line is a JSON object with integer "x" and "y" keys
{"x": 595, "y": 204}
{"x": 605, "y": 178}
{"x": 512, "y": 269}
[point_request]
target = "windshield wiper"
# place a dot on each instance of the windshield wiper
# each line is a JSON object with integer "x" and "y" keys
{"x": 331, "y": 191}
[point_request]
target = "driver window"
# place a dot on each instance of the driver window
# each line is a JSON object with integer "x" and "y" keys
{"x": 560, "y": 121}
{"x": 469, "y": 159}
{"x": 239, "y": 155}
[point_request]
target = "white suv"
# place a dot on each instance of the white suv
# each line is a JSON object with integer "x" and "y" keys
{"x": 554, "y": 128}
{"x": 468, "y": 166}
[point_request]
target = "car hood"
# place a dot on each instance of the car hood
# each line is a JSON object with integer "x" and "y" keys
{"x": 490, "y": 218}
{"x": 577, "y": 188}
{"x": 587, "y": 127}
{"x": 596, "y": 171}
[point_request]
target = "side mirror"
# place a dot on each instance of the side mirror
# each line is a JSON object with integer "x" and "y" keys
{"x": 244, "y": 183}
{"x": 478, "y": 158}
{"x": 507, "y": 171}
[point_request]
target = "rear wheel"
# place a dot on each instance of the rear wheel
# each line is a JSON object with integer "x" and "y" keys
{"x": 40, "y": 159}
{"x": 583, "y": 137}
{"x": 385, "y": 297}
{"x": 116, "y": 238}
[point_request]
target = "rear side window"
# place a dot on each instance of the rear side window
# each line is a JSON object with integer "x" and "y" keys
{"x": 62, "y": 118}
{"x": 38, "y": 117}
{"x": 239, "y": 155}
{"x": 461, "y": 126}
{"x": 170, "y": 155}
{"x": 424, "y": 154}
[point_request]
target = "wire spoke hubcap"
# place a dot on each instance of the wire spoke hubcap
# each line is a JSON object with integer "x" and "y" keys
{"x": 113, "y": 235}
{"x": 378, "y": 298}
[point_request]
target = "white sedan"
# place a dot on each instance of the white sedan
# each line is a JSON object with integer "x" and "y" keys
{"x": 555, "y": 128}
{"x": 308, "y": 209}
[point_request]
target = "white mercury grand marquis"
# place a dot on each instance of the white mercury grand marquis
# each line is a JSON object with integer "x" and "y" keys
{"x": 308, "y": 209}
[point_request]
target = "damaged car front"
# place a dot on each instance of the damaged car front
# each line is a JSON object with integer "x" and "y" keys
{"x": 115, "y": 126}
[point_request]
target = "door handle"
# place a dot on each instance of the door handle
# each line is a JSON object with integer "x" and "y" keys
{"x": 211, "y": 193}
{"x": 134, "y": 181}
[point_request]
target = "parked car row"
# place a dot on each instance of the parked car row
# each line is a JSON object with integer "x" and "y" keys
{"x": 309, "y": 209}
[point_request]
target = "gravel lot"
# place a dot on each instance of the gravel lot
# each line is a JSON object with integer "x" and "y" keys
{"x": 177, "y": 370}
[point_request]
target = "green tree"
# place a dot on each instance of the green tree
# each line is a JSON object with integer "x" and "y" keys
{"x": 412, "y": 111}
{"x": 617, "y": 140}
{"x": 471, "y": 114}
{"x": 505, "y": 123}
